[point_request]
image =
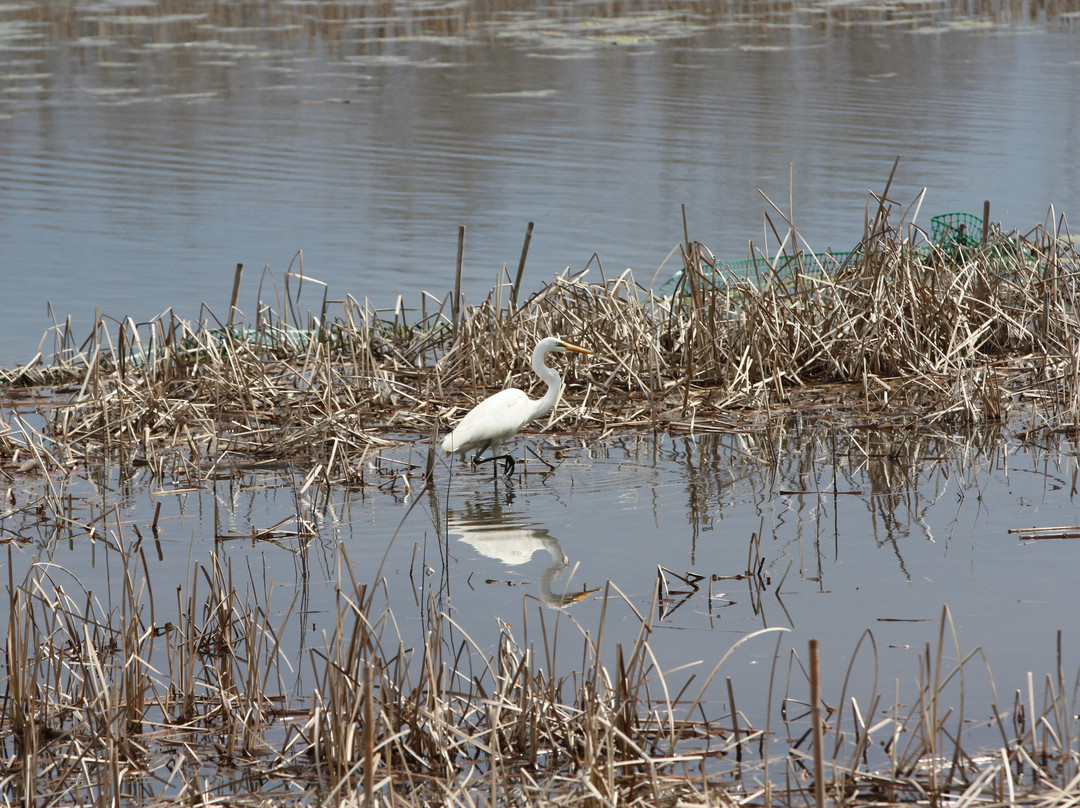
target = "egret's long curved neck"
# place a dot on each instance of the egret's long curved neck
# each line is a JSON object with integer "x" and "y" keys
{"x": 550, "y": 377}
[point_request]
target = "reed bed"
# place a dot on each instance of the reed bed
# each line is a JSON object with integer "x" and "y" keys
{"x": 904, "y": 330}
{"x": 127, "y": 700}
{"x": 131, "y": 702}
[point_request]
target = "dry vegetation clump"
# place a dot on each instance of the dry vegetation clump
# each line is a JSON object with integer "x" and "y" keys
{"x": 922, "y": 329}
{"x": 904, "y": 328}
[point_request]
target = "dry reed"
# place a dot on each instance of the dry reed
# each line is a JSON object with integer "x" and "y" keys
{"x": 117, "y": 703}
{"x": 902, "y": 330}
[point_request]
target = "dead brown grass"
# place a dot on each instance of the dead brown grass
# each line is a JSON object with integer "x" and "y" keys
{"x": 901, "y": 330}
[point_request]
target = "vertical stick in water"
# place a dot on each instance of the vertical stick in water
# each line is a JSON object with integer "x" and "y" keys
{"x": 986, "y": 221}
{"x": 521, "y": 267}
{"x": 235, "y": 291}
{"x": 369, "y": 737}
{"x": 685, "y": 229}
{"x": 815, "y": 718}
{"x": 457, "y": 279}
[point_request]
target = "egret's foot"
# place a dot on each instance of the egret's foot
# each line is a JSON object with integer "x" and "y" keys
{"x": 508, "y": 463}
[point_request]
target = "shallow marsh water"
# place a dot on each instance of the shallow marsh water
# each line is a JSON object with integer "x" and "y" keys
{"x": 145, "y": 152}
{"x": 147, "y": 149}
{"x": 859, "y": 531}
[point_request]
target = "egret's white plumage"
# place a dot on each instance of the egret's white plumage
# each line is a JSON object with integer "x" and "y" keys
{"x": 500, "y": 416}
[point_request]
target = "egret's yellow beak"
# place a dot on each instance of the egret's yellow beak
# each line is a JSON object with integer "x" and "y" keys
{"x": 575, "y": 348}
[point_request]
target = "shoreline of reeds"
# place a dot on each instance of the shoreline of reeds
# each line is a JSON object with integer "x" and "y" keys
{"x": 904, "y": 330}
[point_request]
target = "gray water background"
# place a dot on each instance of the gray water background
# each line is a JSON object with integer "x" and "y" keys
{"x": 146, "y": 149}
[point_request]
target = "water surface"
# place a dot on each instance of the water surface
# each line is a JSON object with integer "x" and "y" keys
{"x": 144, "y": 151}
{"x": 825, "y": 533}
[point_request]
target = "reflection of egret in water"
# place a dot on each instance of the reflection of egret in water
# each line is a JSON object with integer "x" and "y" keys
{"x": 497, "y": 535}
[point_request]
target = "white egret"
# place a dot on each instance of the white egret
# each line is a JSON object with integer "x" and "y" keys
{"x": 500, "y": 416}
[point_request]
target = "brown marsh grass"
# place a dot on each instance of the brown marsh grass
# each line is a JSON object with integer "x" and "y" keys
{"x": 902, "y": 330}
{"x": 155, "y": 700}
{"x": 139, "y": 702}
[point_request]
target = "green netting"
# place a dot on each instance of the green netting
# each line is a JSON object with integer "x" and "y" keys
{"x": 956, "y": 229}
{"x": 950, "y": 231}
{"x": 787, "y": 266}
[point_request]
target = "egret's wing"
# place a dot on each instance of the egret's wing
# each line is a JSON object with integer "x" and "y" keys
{"x": 492, "y": 420}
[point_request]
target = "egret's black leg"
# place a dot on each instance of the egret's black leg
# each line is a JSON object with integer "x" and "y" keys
{"x": 508, "y": 462}
{"x": 477, "y": 459}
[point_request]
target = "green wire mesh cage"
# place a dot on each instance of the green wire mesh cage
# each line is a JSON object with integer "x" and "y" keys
{"x": 956, "y": 229}
{"x": 954, "y": 233}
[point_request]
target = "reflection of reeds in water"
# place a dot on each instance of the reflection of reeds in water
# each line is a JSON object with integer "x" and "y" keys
{"x": 497, "y": 535}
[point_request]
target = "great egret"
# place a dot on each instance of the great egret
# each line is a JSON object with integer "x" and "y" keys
{"x": 500, "y": 416}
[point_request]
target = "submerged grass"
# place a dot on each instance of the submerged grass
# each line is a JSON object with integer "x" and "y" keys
{"x": 113, "y": 702}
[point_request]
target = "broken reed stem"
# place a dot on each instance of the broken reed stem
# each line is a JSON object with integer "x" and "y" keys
{"x": 369, "y": 736}
{"x": 235, "y": 292}
{"x": 521, "y": 267}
